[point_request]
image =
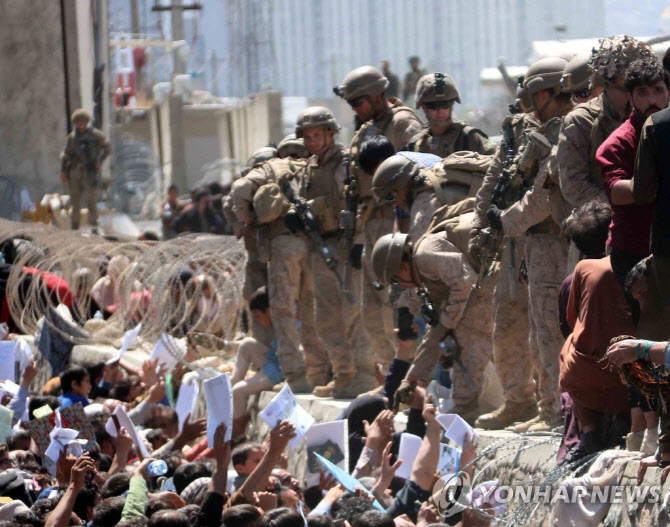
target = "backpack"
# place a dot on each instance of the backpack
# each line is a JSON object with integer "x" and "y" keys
{"x": 458, "y": 176}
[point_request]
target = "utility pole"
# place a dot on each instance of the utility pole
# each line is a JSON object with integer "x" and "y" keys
{"x": 177, "y": 22}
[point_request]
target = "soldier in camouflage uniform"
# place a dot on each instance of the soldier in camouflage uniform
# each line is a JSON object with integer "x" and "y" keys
{"x": 436, "y": 94}
{"x": 258, "y": 200}
{"x": 538, "y": 214}
{"x": 338, "y": 320}
{"x": 412, "y": 78}
{"x": 579, "y": 79}
{"x": 437, "y": 266}
{"x": 586, "y": 127}
{"x": 256, "y": 272}
{"x": 364, "y": 90}
{"x": 84, "y": 151}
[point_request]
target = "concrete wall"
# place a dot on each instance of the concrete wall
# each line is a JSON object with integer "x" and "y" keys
{"x": 33, "y": 119}
{"x": 33, "y": 110}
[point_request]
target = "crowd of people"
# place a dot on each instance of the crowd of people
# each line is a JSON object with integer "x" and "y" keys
{"x": 418, "y": 254}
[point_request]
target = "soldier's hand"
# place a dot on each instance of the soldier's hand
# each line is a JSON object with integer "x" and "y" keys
{"x": 292, "y": 221}
{"x": 404, "y": 394}
{"x": 494, "y": 215}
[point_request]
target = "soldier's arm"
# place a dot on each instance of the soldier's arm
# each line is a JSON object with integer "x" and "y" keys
{"x": 104, "y": 146}
{"x": 405, "y": 126}
{"x": 646, "y": 177}
{"x": 530, "y": 210}
{"x": 478, "y": 142}
{"x": 242, "y": 195}
{"x": 573, "y": 161}
{"x": 66, "y": 155}
{"x": 483, "y": 198}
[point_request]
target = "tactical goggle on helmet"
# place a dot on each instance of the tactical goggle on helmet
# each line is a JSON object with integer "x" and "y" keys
{"x": 438, "y": 89}
{"x": 387, "y": 255}
{"x": 393, "y": 174}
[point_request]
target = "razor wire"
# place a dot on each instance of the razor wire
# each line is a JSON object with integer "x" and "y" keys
{"x": 186, "y": 291}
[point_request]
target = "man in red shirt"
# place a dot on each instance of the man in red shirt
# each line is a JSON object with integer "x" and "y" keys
{"x": 647, "y": 84}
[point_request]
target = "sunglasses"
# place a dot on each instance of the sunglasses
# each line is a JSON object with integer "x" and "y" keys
{"x": 355, "y": 103}
{"x": 582, "y": 94}
{"x": 439, "y": 105}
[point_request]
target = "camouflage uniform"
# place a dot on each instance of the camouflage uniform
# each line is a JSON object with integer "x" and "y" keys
{"x": 510, "y": 303}
{"x": 338, "y": 321}
{"x": 448, "y": 277}
{"x": 399, "y": 124}
{"x": 546, "y": 252}
{"x": 290, "y": 283}
{"x": 459, "y": 136}
{"x": 583, "y": 130}
{"x": 80, "y": 154}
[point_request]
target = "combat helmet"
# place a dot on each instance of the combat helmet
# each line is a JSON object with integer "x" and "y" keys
{"x": 578, "y": 74}
{"x": 436, "y": 87}
{"x": 545, "y": 74}
{"x": 365, "y": 80}
{"x": 615, "y": 54}
{"x": 81, "y": 115}
{"x": 315, "y": 117}
{"x": 387, "y": 255}
{"x": 261, "y": 156}
{"x": 291, "y": 146}
{"x": 393, "y": 174}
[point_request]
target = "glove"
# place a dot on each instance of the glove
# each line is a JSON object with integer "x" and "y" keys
{"x": 293, "y": 221}
{"x": 494, "y": 217}
{"x": 404, "y": 394}
{"x": 405, "y": 325}
{"x": 356, "y": 256}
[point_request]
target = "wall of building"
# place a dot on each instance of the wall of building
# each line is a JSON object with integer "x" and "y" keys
{"x": 33, "y": 120}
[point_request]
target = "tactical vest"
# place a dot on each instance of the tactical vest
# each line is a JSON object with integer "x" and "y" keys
{"x": 457, "y": 138}
{"x": 368, "y": 130}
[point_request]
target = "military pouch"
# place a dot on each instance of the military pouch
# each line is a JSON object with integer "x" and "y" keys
{"x": 263, "y": 243}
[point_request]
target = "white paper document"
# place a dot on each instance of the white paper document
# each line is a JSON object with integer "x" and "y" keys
{"x": 127, "y": 341}
{"x": 329, "y": 439}
{"x": 188, "y": 395}
{"x": 125, "y": 422}
{"x": 7, "y": 360}
{"x": 455, "y": 428}
{"x": 165, "y": 349}
{"x": 5, "y": 423}
{"x": 219, "y": 395}
{"x": 409, "y": 449}
{"x": 23, "y": 353}
{"x": 285, "y": 407}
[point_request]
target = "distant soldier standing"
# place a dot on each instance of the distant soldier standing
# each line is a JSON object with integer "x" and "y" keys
{"x": 365, "y": 90}
{"x": 411, "y": 79}
{"x": 84, "y": 151}
{"x": 436, "y": 94}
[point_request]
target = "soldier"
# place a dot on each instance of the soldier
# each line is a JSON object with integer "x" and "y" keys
{"x": 510, "y": 303}
{"x": 436, "y": 94}
{"x": 256, "y": 272}
{"x": 394, "y": 84}
{"x": 411, "y": 78}
{"x": 538, "y": 214}
{"x": 417, "y": 191}
{"x": 444, "y": 274}
{"x": 588, "y": 125}
{"x": 364, "y": 89}
{"x": 258, "y": 199}
{"x": 84, "y": 151}
{"x": 578, "y": 79}
{"x": 338, "y": 320}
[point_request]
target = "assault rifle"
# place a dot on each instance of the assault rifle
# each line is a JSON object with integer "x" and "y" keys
{"x": 348, "y": 224}
{"x": 311, "y": 227}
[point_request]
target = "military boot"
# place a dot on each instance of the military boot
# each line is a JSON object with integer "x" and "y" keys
{"x": 520, "y": 428}
{"x": 469, "y": 412}
{"x": 548, "y": 421}
{"x": 350, "y": 389}
{"x": 508, "y": 414}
